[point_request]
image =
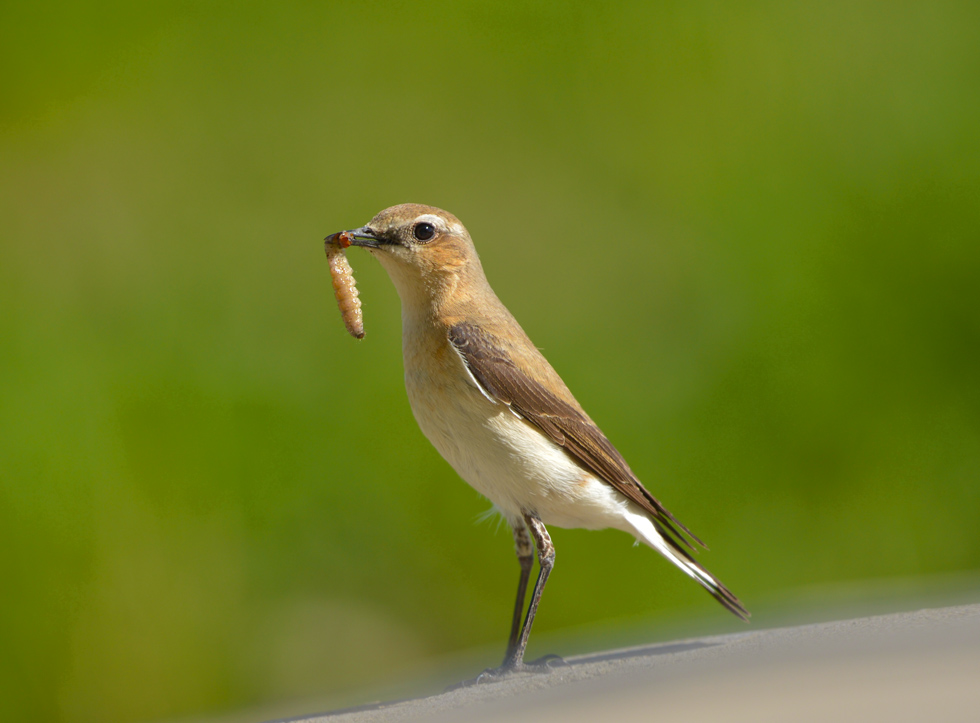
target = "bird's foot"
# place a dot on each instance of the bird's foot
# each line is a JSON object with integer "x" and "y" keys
{"x": 544, "y": 665}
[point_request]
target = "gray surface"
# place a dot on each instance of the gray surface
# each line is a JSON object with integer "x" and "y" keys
{"x": 917, "y": 666}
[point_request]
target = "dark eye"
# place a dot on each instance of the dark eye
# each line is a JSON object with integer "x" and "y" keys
{"x": 423, "y": 231}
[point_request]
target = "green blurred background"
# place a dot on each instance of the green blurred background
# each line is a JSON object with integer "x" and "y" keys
{"x": 746, "y": 235}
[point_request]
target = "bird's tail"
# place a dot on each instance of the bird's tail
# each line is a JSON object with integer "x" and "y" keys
{"x": 650, "y": 532}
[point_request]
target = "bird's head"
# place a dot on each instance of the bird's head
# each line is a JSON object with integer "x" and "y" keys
{"x": 426, "y": 251}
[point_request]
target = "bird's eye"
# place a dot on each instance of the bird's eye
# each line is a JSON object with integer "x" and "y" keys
{"x": 423, "y": 231}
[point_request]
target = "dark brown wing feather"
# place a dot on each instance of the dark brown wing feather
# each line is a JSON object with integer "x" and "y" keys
{"x": 559, "y": 420}
{"x": 570, "y": 428}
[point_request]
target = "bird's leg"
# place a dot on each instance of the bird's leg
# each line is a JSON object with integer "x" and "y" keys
{"x": 546, "y": 560}
{"x": 525, "y": 556}
{"x": 514, "y": 660}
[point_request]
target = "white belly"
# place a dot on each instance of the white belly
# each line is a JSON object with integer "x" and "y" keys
{"x": 504, "y": 457}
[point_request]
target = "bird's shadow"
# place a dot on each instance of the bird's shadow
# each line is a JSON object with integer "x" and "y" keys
{"x": 647, "y": 651}
{"x": 644, "y": 652}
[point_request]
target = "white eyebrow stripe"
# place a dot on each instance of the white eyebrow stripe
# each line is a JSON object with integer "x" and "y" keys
{"x": 441, "y": 223}
{"x": 433, "y": 219}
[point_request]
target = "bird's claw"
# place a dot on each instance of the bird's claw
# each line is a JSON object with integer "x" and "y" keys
{"x": 541, "y": 666}
{"x": 546, "y": 664}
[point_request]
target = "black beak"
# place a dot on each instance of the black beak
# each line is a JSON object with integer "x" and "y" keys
{"x": 365, "y": 237}
{"x": 362, "y": 236}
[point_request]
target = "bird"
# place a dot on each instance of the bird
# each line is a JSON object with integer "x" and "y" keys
{"x": 499, "y": 414}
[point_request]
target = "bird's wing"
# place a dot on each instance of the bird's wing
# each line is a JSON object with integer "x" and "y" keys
{"x": 563, "y": 422}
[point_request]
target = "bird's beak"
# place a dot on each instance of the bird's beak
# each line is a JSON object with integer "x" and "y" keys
{"x": 362, "y": 236}
{"x": 365, "y": 237}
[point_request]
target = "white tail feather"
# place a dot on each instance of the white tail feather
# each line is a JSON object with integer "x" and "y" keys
{"x": 644, "y": 530}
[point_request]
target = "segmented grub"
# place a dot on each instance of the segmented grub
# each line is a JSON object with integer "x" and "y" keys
{"x": 342, "y": 276}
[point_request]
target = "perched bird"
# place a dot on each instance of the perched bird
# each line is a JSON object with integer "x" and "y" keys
{"x": 494, "y": 408}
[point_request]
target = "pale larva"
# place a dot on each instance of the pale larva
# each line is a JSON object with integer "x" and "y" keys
{"x": 342, "y": 276}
